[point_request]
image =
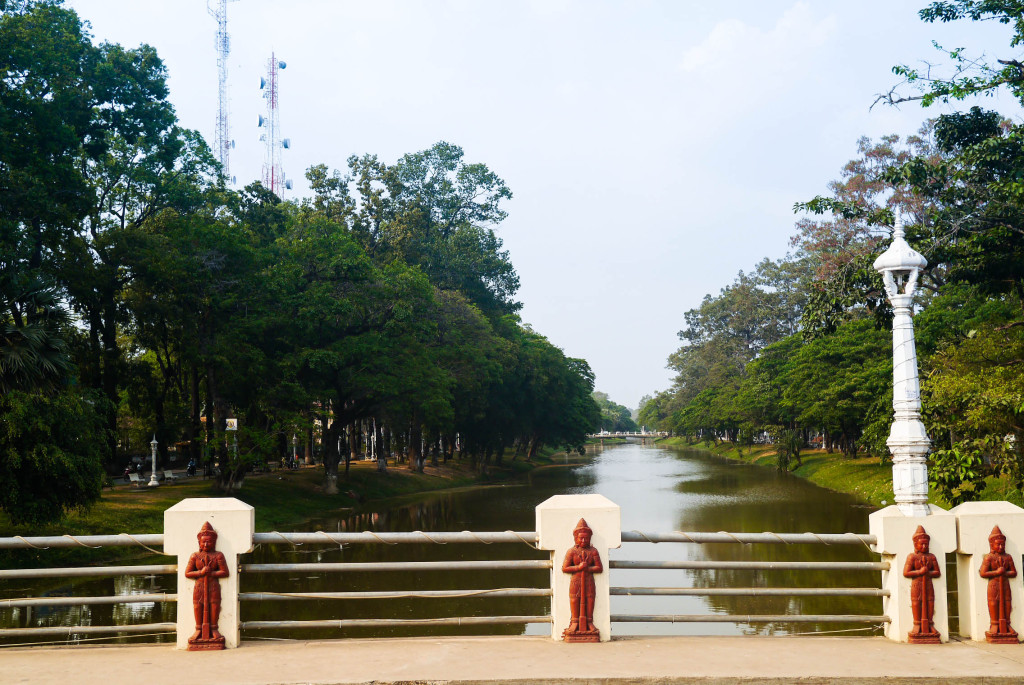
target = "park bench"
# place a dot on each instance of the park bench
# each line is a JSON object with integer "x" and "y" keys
{"x": 169, "y": 476}
{"x": 135, "y": 478}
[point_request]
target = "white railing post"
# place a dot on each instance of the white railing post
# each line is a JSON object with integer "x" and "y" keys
{"x": 974, "y": 522}
{"x": 895, "y": 533}
{"x": 556, "y": 519}
{"x": 234, "y": 522}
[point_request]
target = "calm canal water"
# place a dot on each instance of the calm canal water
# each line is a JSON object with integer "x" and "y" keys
{"x": 659, "y": 490}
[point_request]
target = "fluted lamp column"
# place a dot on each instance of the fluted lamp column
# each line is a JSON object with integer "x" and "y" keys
{"x": 908, "y": 441}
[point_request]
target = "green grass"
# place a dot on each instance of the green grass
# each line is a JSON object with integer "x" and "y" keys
{"x": 281, "y": 498}
{"x": 864, "y": 477}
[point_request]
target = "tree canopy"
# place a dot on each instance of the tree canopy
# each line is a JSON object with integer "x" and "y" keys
{"x": 139, "y": 295}
{"x": 808, "y": 356}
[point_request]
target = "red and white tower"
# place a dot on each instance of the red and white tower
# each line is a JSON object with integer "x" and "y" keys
{"x": 273, "y": 172}
{"x": 222, "y": 142}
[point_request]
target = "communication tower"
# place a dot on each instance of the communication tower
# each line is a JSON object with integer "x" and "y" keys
{"x": 222, "y": 142}
{"x": 273, "y": 172}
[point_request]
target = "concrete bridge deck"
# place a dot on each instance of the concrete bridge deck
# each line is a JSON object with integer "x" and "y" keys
{"x": 527, "y": 660}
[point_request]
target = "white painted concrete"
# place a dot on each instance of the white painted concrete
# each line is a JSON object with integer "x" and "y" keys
{"x": 556, "y": 519}
{"x": 975, "y": 521}
{"x": 895, "y": 533}
{"x": 908, "y": 441}
{"x": 235, "y": 523}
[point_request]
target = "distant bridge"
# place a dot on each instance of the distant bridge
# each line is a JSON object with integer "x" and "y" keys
{"x": 637, "y": 434}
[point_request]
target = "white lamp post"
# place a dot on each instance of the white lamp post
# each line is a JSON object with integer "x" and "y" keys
{"x": 153, "y": 482}
{"x": 908, "y": 441}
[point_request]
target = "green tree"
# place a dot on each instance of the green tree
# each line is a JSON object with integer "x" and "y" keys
{"x": 614, "y": 417}
{"x": 433, "y": 210}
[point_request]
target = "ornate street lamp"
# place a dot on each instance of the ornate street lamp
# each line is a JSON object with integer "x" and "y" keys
{"x": 908, "y": 441}
{"x": 153, "y": 482}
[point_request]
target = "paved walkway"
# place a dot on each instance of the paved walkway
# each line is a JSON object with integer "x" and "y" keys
{"x": 527, "y": 660}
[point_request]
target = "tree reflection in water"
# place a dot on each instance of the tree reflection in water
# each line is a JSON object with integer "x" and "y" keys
{"x": 659, "y": 490}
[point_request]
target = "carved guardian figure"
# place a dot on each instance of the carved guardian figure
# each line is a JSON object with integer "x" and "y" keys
{"x": 997, "y": 566}
{"x": 582, "y": 561}
{"x": 921, "y": 568}
{"x": 206, "y": 567}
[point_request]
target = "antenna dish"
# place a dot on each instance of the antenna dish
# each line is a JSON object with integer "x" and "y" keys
{"x": 281, "y": 65}
{"x": 232, "y": 145}
{"x": 234, "y": 180}
{"x": 263, "y": 136}
{"x": 262, "y": 120}
{"x": 263, "y": 83}
{"x": 286, "y": 143}
{"x": 288, "y": 184}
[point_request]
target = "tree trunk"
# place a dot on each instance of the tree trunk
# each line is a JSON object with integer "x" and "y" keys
{"x": 416, "y": 447}
{"x": 353, "y": 445}
{"x": 309, "y": 452}
{"x": 194, "y": 446}
{"x": 331, "y": 458}
{"x": 222, "y": 459}
{"x": 534, "y": 447}
{"x": 110, "y": 374}
{"x": 382, "y": 451}
{"x": 435, "y": 449}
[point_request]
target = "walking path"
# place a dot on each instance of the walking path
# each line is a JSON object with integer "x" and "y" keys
{"x": 527, "y": 660}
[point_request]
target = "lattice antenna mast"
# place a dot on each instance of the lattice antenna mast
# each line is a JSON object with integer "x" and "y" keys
{"x": 222, "y": 142}
{"x": 273, "y": 171}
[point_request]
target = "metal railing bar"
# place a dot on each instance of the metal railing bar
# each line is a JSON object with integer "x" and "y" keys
{"x": 396, "y": 622}
{"x": 441, "y": 538}
{"x": 152, "y": 570}
{"x": 745, "y": 618}
{"x": 398, "y": 566}
{"x": 398, "y": 594}
{"x": 120, "y": 540}
{"x": 85, "y": 601}
{"x": 89, "y": 630}
{"x": 745, "y": 591}
{"x": 751, "y": 538}
{"x": 323, "y": 537}
{"x": 755, "y": 565}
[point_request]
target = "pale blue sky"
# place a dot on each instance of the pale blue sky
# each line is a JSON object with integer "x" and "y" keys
{"x": 654, "y": 148}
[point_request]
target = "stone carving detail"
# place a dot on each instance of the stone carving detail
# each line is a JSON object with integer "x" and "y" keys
{"x": 206, "y": 567}
{"x": 921, "y": 568}
{"x": 997, "y": 566}
{"x": 582, "y": 561}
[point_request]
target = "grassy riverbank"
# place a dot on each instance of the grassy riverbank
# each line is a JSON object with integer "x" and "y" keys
{"x": 863, "y": 477}
{"x": 282, "y": 498}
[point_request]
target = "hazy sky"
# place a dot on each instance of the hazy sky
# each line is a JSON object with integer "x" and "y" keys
{"x": 654, "y": 149}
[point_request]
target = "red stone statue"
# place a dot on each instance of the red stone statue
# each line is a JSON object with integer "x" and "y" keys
{"x": 922, "y": 566}
{"x": 998, "y": 568}
{"x": 206, "y": 567}
{"x": 582, "y": 561}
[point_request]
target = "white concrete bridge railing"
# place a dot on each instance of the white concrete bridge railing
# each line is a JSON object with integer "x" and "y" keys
{"x": 891, "y": 536}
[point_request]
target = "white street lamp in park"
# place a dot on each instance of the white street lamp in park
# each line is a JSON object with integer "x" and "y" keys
{"x": 908, "y": 441}
{"x": 153, "y": 482}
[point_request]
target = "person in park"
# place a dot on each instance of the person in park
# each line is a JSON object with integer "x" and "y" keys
{"x": 998, "y": 568}
{"x": 921, "y": 567}
{"x": 206, "y": 567}
{"x": 582, "y": 561}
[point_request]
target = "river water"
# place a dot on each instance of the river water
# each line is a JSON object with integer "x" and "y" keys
{"x": 659, "y": 489}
